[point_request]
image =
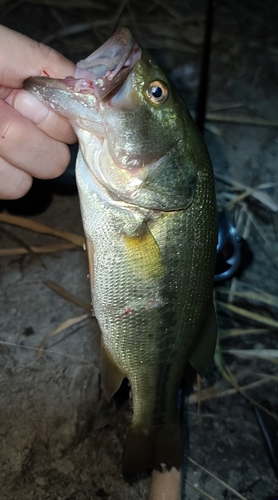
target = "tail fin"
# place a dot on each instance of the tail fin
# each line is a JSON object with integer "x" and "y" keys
{"x": 150, "y": 448}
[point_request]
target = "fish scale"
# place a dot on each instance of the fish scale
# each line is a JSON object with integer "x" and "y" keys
{"x": 171, "y": 322}
{"x": 148, "y": 207}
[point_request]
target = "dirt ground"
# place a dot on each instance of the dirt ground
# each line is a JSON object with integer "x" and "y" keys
{"x": 59, "y": 439}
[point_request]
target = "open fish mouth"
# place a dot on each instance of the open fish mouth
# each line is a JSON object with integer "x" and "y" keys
{"x": 110, "y": 64}
{"x": 102, "y": 72}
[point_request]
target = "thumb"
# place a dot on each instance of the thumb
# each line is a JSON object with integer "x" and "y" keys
{"x": 29, "y": 106}
{"x": 54, "y": 125}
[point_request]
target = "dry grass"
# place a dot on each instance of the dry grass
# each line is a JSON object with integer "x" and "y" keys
{"x": 61, "y": 328}
{"x": 235, "y": 493}
{"x": 60, "y": 290}
{"x": 51, "y": 351}
{"x": 36, "y": 227}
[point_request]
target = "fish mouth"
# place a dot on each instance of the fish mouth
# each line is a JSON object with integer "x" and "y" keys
{"x": 101, "y": 73}
{"x": 110, "y": 64}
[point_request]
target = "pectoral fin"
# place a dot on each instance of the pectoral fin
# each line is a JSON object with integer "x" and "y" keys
{"x": 143, "y": 255}
{"x": 111, "y": 375}
{"x": 202, "y": 357}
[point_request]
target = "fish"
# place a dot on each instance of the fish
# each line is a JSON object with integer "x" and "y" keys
{"x": 147, "y": 198}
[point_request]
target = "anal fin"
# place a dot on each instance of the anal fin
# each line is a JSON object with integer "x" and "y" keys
{"x": 111, "y": 375}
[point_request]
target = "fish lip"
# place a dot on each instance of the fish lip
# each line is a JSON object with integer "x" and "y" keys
{"x": 110, "y": 63}
{"x": 126, "y": 53}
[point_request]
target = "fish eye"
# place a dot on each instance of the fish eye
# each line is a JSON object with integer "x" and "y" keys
{"x": 157, "y": 92}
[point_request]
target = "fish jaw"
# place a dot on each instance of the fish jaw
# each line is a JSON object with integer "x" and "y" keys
{"x": 109, "y": 65}
{"x": 79, "y": 106}
{"x": 79, "y": 97}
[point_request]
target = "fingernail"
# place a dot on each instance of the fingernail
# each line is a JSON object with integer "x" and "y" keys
{"x": 30, "y": 107}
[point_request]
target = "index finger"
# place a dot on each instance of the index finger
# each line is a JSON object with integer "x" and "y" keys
{"x": 21, "y": 57}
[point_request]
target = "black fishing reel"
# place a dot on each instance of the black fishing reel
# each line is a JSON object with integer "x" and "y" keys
{"x": 233, "y": 252}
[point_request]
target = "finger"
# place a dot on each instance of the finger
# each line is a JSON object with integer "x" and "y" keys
{"x": 54, "y": 125}
{"x": 23, "y": 57}
{"x": 26, "y": 147}
{"x": 14, "y": 183}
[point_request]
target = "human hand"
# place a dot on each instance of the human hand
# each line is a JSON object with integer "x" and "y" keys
{"x": 33, "y": 138}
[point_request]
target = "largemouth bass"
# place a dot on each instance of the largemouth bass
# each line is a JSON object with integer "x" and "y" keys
{"x": 148, "y": 206}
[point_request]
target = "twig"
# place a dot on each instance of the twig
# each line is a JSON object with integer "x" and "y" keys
{"x": 236, "y": 332}
{"x": 256, "y": 192}
{"x": 228, "y": 375}
{"x": 248, "y": 314}
{"x": 63, "y": 292}
{"x": 63, "y": 326}
{"x": 214, "y": 392}
{"x": 31, "y": 225}
{"x": 238, "y": 495}
{"x": 264, "y": 297}
{"x": 241, "y": 120}
{"x": 20, "y": 241}
{"x": 199, "y": 490}
{"x": 267, "y": 354}
{"x": 8, "y": 252}
{"x": 47, "y": 351}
